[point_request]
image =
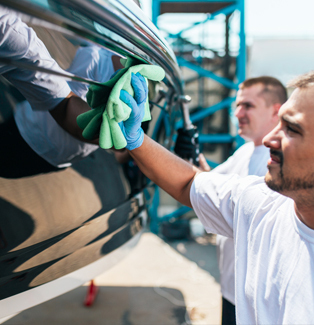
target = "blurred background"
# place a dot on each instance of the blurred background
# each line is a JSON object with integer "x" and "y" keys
{"x": 279, "y": 35}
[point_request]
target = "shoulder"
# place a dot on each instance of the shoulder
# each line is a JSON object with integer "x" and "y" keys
{"x": 261, "y": 151}
{"x": 238, "y": 162}
{"x": 257, "y": 188}
{"x": 231, "y": 185}
{"x": 257, "y": 195}
{"x": 247, "y": 149}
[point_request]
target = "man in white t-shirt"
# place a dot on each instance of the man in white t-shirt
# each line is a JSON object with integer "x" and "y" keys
{"x": 257, "y": 104}
{"x": 271, "y": 219}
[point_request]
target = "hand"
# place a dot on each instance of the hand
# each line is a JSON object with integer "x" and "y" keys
{"x": 203, "y": 163}
{"x": 131, "y": 128}
{"x": 187, "y": 146}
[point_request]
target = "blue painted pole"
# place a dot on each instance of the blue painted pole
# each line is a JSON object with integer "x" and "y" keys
{"x": 225, "y": 11}
{"x": 207, "y": 111}
{"x": 241, "y": 61}
{"x": 175, "y": 214}
{"x": 215, "y": 138}
{"x": 153, "y": 212}
{"x": 241, "y": 71}
{"x": 206, "y": 73}
{"x": 240, "y": 76}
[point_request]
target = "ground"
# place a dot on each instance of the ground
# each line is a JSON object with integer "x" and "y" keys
{"x": 160, "y": 282}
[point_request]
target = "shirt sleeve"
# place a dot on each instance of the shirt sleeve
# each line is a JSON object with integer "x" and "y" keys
{"x": 19, "y": 42}
{"x": 214, "y": 197}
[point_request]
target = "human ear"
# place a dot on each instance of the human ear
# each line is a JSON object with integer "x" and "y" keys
{"x": 276, "y": 108}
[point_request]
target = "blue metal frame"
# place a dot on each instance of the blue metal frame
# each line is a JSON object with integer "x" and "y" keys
{"x": 225, "y": 11}
{"x": 206, "y": 73}
{"x": 201, "y": 114}
{"x": 208, "y": 111}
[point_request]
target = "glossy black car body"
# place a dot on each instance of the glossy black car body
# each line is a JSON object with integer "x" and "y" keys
{"x": 57, "y": 223}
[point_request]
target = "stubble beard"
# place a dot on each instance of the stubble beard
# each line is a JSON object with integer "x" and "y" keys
{"x": 286, "y": 184}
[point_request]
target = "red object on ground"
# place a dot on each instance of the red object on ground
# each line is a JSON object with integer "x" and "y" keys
{"x": 91, "y": 294}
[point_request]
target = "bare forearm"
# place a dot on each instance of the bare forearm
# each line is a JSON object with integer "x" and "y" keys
{"x": 172, "y": 174}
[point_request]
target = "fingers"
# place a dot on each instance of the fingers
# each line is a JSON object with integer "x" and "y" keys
{"x": 203, "y": 163}
{"x": 135, "y": 110}
{"x": 128, "y": 99}
{"x": 139, "y": 85}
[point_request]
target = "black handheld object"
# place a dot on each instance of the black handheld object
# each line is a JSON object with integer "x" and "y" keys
{"x": 187, "y": 145}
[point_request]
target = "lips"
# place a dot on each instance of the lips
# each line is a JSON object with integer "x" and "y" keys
{"x": 243, "y": 122}
{"x": 276, "y": 156}
{"x": 274, "y": 160}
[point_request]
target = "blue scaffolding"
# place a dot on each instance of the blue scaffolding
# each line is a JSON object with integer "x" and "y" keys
{"x": 229, "y": 81}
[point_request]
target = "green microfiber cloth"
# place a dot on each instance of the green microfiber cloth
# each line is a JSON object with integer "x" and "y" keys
{"x": 108, "y": 110}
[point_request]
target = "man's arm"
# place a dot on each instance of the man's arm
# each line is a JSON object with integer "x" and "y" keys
{"x": 171, "y": 173}
{"x": 215, "y": 195}
{"x": 168, "y": 171}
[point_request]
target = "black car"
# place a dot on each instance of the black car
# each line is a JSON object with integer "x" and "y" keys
{"x": 61, "y": 227}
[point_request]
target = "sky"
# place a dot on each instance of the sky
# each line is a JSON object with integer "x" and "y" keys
{"x": 289, "y": 24}
{"x": 280, "y": 18}
{"x": 263, "y": 18}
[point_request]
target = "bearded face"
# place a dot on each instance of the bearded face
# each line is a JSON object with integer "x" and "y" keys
{"x": 286, "y": 183}
{"x": 291, "y": 144}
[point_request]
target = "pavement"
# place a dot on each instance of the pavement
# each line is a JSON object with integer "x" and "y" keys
{"x": 160, "y": 282}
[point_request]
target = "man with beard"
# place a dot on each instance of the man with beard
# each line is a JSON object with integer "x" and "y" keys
{"x": 257, "y": 104}
{"x": 272, "y": 225}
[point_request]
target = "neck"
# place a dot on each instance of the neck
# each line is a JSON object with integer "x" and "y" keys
{"x": 258, "y": 142}
{"x": 305, "y": 212}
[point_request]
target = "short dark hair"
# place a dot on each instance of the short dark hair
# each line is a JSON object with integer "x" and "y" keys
{"x": 302, "y": 81}
{"x": 274, "y": 91}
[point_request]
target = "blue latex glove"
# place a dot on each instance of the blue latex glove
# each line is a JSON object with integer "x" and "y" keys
{"x": 131, "y": 128}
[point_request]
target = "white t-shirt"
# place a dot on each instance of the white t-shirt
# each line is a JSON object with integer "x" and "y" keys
{"x": 274, "y": 250}
{"x": 247, "y": 160}
{"x": 43, "y": 134}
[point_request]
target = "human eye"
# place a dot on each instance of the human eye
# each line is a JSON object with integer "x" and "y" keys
{"x": 292, "y": 129}
{"x": 248, "y": 106}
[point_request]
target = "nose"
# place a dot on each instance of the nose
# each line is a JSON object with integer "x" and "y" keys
{"x": 272, "y": 139}
{"x": 239, "y": 112}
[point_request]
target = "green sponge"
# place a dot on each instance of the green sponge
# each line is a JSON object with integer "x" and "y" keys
{"x": 108, "y": 110}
